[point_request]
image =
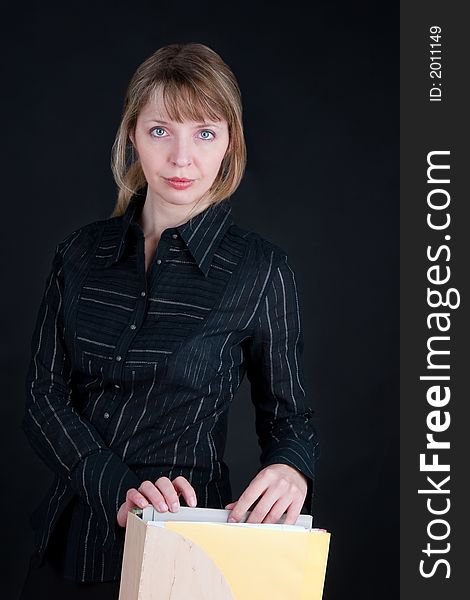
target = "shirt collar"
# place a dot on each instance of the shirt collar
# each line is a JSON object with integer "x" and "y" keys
{"x": 201, "y": 234}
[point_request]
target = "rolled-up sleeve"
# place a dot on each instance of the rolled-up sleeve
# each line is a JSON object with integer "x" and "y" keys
{"x": 274, "y": 362}
{"x": 67, "y": 443}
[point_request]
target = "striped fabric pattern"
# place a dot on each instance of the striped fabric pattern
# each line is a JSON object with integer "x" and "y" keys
{"x": 132, "y": 372}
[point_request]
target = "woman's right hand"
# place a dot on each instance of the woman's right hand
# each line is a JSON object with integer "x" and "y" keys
{"x": 163, "y": 495}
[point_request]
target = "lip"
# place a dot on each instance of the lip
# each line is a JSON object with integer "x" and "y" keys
{"x": 178, "y": 183}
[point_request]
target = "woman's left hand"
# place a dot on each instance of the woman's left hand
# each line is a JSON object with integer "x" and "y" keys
{"x": 280, "y": 488}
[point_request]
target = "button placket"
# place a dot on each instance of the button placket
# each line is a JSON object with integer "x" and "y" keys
{"x": 128, "y": 335}
{"x": 159, "y": 260}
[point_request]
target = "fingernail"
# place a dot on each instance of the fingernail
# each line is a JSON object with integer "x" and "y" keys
{"x": 192, "y": 501}
{"x": 175, "y": 506}
{"x": 142, "y": 503}
{"x": 232, "y": 520}
{"x": 162, "y": 506}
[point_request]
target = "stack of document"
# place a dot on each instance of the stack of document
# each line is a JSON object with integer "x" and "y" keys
{"x": 195, "y": 554}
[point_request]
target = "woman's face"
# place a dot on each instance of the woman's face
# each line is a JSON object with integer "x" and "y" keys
{"x": 170, "y": 150}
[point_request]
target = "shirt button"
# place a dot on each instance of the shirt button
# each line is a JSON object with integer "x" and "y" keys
{"x": 159, "y": 261}
{"x": 117, "y": 386}
{"x": 133, "y": 326}
{"x": 106, "y": 415}
{"x": 175, "y": 236}
{"x": 118, "y": 357}
{"x": 142, "y": 293}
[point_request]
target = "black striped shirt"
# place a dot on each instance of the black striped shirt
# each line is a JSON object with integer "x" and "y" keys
{"x": 132, "y": 372}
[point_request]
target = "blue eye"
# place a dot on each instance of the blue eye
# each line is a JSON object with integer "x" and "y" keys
{"x": 157, "y": 129}
{"x": 209, "y": 132}
{"x": 160, "y": 132}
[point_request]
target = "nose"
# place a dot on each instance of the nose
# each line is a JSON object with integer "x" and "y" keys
{"x": 180, "y": 155}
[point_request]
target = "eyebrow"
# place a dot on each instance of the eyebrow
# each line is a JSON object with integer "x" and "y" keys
{"x": 166, "y": 123}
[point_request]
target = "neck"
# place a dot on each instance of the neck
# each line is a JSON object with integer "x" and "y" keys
{"x": 158, "y": 215}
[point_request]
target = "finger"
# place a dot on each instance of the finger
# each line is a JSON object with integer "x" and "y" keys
{"x": 182, "y": 485}
{"x": 257, "y": 486}
{"x": 277, "y": 510}
{"x": 293, "y": 512}
{"x": 231, "y": 505}
{"x": 165, "y": 486}
{"x": 135, "y": 498}
{"x": 121, "y": 516}
{"x": 148, "y": 489}
{"x": 265, "y": 504}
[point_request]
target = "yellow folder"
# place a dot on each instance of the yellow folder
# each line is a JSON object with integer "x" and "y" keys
{"x": 194, "y": 559}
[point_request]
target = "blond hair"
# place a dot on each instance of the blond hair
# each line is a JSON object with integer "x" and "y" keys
{"x": 196, "y": 84}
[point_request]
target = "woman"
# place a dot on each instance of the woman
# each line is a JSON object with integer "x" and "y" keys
{"x": 149, "y": 321}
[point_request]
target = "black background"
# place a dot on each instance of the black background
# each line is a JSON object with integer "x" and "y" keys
{"x": 321, "y": 113}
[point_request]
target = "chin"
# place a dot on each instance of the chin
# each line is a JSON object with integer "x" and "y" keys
{"x": 178, "y": 197}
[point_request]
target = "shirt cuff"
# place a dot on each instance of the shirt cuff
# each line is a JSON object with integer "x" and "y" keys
{"x": 102, "y": 480}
